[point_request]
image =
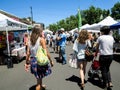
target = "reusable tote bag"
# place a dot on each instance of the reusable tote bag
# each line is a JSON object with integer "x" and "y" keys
{"x": 41, "y": 56}
{"x": 73, "y": 61}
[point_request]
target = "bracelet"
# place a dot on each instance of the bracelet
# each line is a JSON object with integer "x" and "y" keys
{"x": 27, "y": 62}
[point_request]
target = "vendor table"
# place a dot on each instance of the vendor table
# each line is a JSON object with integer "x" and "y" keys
{"x": 18, "y": 52}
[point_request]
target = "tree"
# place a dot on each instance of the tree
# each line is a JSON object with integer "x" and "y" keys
{"x": 73, "y": 22}
{"x": 105, "y": 13}
{"x": 115, "y": 11}
{"x": 53, "y": 27}
{"x": 92, "y": 15}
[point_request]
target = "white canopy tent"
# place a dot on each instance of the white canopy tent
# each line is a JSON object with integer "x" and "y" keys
{"x": 89, "y": 30}
{"x": 93, "y": 31}
{"x": 9, "y": 24}
{"x": 73, "y": 30}
{"x": 84, "y": 27}
{"x": 6, "y": 21}
{"x": 47, "y": 31}
{"x": 105, "y": 22}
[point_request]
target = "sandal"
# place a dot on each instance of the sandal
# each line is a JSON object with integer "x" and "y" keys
{"x": 43, "y": 87}
{"x": 110, "y": 84}
{"x": 82, "y": 85}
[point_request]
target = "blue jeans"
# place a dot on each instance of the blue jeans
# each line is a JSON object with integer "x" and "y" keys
{"x": 63, "y": 54}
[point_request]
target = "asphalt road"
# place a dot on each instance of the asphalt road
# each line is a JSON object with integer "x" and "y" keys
{"x": 63, "y": 77}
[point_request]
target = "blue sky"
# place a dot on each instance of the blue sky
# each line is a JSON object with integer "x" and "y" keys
{"x": 51, "y": 11}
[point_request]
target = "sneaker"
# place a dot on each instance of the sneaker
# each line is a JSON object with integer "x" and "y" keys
{"x": 64, "y": 63}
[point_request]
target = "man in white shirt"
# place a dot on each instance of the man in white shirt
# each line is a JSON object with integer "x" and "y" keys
{"x": 105, "y": 47}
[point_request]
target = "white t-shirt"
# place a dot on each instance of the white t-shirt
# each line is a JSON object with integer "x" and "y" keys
{"x": 80, "y": 49}
{"x": 48, "y": 36}
{"x": 105, "y": 44}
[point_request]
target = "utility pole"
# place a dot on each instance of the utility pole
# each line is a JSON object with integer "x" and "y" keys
{"x": 31, "y": 15}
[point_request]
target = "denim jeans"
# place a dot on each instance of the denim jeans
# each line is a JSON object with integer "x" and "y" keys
{"x": 105, "y": 62}
{"x": 63, "y": 53}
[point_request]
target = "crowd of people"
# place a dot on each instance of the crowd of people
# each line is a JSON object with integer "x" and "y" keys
{"x": 101, "y": 43}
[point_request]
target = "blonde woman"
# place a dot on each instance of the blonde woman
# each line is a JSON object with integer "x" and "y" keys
{"x": 39, "y": 72}
{"x": 79, "y": 48}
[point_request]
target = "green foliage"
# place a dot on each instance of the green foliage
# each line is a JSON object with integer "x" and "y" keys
{"x": 53, "y": 27}
{"x": 115, "y": 11}
{"x": 92, "y": 15}
{"x": 116, "y": 35}
{"x": 89, "y": 16}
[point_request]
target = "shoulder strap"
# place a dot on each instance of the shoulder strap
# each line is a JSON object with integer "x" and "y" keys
{"x": 42, "y": 43}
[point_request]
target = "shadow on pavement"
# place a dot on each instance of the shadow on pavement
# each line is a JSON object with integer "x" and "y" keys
{"x": 109, "y": 88}
{"x": 75, "y": 79}
{"x": 116, "y": 57}
{"x": 32, "y": 88}
{"x": 58, "y": 60}
{"x": 96, "y": 82}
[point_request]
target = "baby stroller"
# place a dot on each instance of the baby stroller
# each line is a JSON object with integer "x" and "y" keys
{"x": 94, "y": 71}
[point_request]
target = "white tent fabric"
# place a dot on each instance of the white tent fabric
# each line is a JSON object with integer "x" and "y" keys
{"x": 93, "y": 27}
{"x": 10, "y": 23}
{"x": 73, "y": 30}
{"x": 84, "y": 26}
{"x": 47, "y": 31}
{"x": 93, "y": 31}
{"x": 105, "y": 22}
{"x": 87, "y": 25}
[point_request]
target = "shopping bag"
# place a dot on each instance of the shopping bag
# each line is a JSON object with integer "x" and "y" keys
{"x": 41, "y": 56}
{"x": 96, "y": 63}
{"x": 89, "y": 54}
{"x": 73, "y": 61}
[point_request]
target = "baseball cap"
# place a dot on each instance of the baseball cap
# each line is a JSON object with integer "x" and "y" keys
{"x": 62, "y": 29}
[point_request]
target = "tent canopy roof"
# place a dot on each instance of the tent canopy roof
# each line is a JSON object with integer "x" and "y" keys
{"x": 105, "y": 22}
{"x": 115, "y": 26}
{"x": 10, "y": 23}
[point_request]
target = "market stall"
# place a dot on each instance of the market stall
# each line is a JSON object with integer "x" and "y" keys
{"x": 105, "y": 22}
{"x": 8, "y": 27}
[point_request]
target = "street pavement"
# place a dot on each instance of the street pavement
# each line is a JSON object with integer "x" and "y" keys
{"x": 63, "y": 77}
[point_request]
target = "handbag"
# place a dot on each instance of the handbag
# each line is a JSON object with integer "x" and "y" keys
{"x": 89, "y": 54}
{"x": 41, "y": 56}
{"x": 81, "y": 55}
{"x": 73, "y": 61}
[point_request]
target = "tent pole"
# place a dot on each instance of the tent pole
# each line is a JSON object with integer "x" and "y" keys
{"x": 7, "y": 42}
